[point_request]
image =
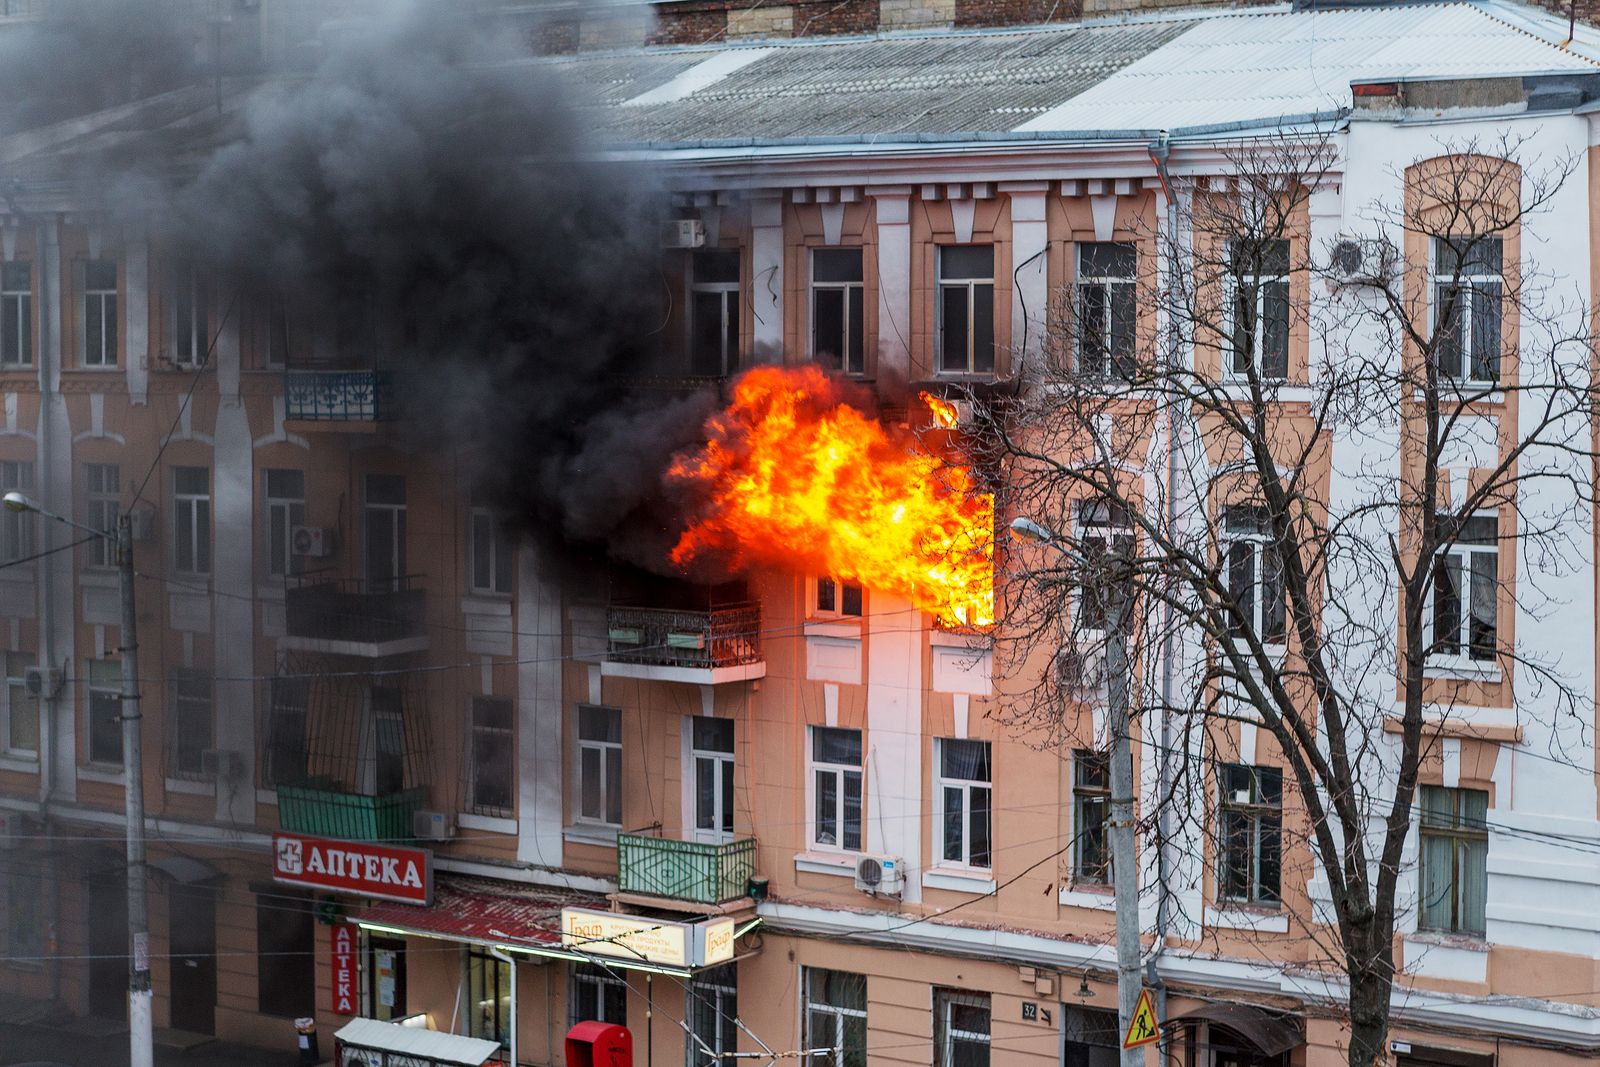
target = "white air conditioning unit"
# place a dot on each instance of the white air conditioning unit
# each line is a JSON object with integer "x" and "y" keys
{"x": 221, "y": 765}
{"x": 1081, "y": 670}
{"x": 880, "y": 875}
{"x": 311, "y": 541}
{"x": 43, "y": 681}
{"x": 1370, "y": 261}
{"x": 143, "y": 523}
{"x": 683, "y": 233}
{"x": 433, "y": 825}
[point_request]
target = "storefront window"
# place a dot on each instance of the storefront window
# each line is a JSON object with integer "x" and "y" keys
{"x": 386, "y": 971}
{"x": 488, "y": 997}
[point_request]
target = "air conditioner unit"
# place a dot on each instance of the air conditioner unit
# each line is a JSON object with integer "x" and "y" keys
{"x": 880, "y": 875}
{"x": 43, "y": 681}
{"x": 683, "y": 233}
{"x": 311, "y": 541}
{"x": 222, "y": 765}
{"x": 143, "y": 523}
{"x": 433, "y": 825}
{"x": 1363, "y": 261}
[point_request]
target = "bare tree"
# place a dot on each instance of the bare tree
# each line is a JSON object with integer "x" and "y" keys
{"x": 1331, "y": 479}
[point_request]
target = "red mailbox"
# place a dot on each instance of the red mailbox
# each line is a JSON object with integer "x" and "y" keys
{"x": 595, "y": 1044}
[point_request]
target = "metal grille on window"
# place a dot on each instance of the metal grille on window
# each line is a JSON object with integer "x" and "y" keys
{"x": 190, "y": 726}
{"x": 834, "y": 1007}
{"x": 961, "y": 1022}
{"x": 597, "y": 994}
{"x": 490, "y": 776}
{"x": 713, "y": 1013}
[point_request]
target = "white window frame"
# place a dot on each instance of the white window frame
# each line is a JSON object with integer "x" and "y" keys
{"x": 1461, "y": 835}
{"x": 102, "y": 300}
{"x": 836, "y": 1015}
{"x": 730, "y": 296}
{"x": 16, "y": 316}
{"x": 816, "y": 771}
{"x": 283, "y": 513}
{"x": 971, "y": 285}
{"x": 191, "y": 510}
{"x": 1082, "y": 796}
{"x": 17, "y": 528}
{"x": 1260, "y": 542}
{"x": 602, "y": 750}
{"x": 102, "y": 504}
{"x": 714, "y": 991}
{"x": 1104, "y": 529}
{"x": 108, "y": 687}
{"x": 818, "y": 591}
{"x": 845, "y": 289}
{"x": 1258, "y": 812}
{"x": 722, "y": 812}
{"x": 18, "y": 703}
{"x": 486, "y": 521}
{"x": 191, "y": 331}
{"x": 968, "y": 787}
{"x": 1467, "y": 554}
{"x": 183, "y": 703}
{"x": 1258, "y": 335}
{"x": 944, "y": 1000}
{"x": 1468, "y": 287}
{"x": 502, "y": 739}
{"x": 286, "y": 697}
{"x": 1112, "y": 287}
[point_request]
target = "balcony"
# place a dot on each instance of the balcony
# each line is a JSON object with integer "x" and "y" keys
{"x": 354, "y": 618}
{"x": 357, "y": 399}
{"x": 692, "y": 872}
{"x": 699, "y": 647}
{"x": 326, "y": 811}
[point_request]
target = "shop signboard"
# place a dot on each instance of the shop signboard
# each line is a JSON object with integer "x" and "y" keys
{"x": 640, "y": 939}
{"x": 384, "y": 872}
{"x": 343, "y": 957}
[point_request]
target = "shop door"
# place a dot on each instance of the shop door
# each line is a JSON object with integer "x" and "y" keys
{"x": 193, "y": 934}
{"x": 108, "y": 946}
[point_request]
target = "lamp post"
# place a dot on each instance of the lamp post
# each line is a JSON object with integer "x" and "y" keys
{"x": 140, "y": 1026}
{"x": 1125, "y": 875}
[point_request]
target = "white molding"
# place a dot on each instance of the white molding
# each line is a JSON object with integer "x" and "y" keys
{"x": 488, "y": 823}
{"x": 1068, "y": 897}
{"x": 104, "y": 777}
{"x": 958, "y": 880}
{"x": 1245, "y": 918}
{"x": 586, "y": 834}
{"x": 194, "y": 789}
{"x": 833, "y": 864}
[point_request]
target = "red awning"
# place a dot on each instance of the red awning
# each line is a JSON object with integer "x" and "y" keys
{"x": 482, "y": 912}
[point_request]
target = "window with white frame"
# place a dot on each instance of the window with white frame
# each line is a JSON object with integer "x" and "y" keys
{"x": 1091, "y": 809}
{"x": 16, "y": 314}
{"x": 490, "y": 552}
{"x": 714, "y": 312}
{"x": 838, "y": 309}
{"x": 836, "y": 778}
{"x": 597, "y": 995}
{"x": 711, "y": 773}
{"x": 489, "y": 997}
{"x": 22, "y": 709}
{"x": 834, "y": 1004}
{"x": 102, "y": 503}
{"x": 1455, "y": 860}
{"x": 285, "y": 508}
{"x": 99, "y": 313}
{"x": 16, "y": 527}
{"x": 966, "y": 309}
{"x": 1106, "y": 308}
{"x": 489, "y": 776}
{"x": 105, "y": 712}
{"x": 713, "y": 1011}
{"x": 836, "y": 598}
{"x": 1105, "y": 529}
{"x": 1467, "y": 291}
{"x": 1250, "y": 825}
{"x": 191, "y": 520}
{"x": 1466, "y": 587}
{"x": 1258, "y": 308}
{"x": 190, "y": 724}
{"x": 965, "y": 802}
{"x": 1253, "y": 574}
{"x": 961, "y": 1028}
{"x": 191, "y": 329}
{"x": 599, "y": 799}
{"x": 288, "y": 737}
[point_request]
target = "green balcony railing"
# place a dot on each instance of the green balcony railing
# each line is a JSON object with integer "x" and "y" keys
{"x": 327, "y": 812}
{"x": 685, "y": 870}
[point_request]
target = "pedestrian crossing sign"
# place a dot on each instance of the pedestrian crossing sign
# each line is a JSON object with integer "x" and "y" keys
{"x": 1143, "y": 1028}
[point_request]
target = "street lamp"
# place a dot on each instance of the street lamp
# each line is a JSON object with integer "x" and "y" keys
{"x": 140, "y": 1026}
{"x": 1125, "y": 875}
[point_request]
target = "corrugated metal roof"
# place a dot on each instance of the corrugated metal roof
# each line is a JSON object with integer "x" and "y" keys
{"x": 416, "y": 1042}
{"x": 482, "y": 912}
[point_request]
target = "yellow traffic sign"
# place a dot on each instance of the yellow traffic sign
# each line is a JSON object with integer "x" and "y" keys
{"x": 1143, "y": 1029}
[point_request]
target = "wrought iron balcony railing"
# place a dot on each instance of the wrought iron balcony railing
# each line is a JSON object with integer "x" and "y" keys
{"x": 351, "y": 611}
{"x": 724, "y": 637}
{"x": 327, "y": 811}
{"x": 338, "y": 395}
{"x": 693, "y": 871}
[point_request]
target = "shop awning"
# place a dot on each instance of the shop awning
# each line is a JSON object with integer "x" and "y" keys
{"x": 427, "y": 1045}
{"x": 480, "y": 913}
{"x": 1271, "y": 1032}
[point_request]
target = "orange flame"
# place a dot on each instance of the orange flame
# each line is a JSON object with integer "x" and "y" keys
{"x": 793, "y": 475}
{"x": 946, "y": 416}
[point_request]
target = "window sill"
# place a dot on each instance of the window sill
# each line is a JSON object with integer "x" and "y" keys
{"x": 1445, "y": 939}
{"x": 959, "y": 880}
{"x": 833, "y": 864}
{"x": 482, "y": 603}
{"x": 1242, "y": 916}
{"x": 1456, "y": 392}
{"x": 1464, "y": 669}
{"x": 191, "y": 788}
{"x": 952, "y": 639}
{"x": 1281, "y": 390}
{"x": 603, "y": 836}
{"x": 1096, "y": 896}
{"x": 19, "y": 762}
{"x": 103, "y": 773}
{"x": 832, "y": 628}
{"x": 99, "y": 577}
{"x": 493, "y": 824}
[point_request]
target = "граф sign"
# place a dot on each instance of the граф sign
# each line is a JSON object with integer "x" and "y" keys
{"x": 368, "y": 870}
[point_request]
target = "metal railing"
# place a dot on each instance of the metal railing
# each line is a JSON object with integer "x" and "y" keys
{"x": 338, "y": 395}
{"x": 685, "y": 870}
{"x": 322, "y": 608}
{"x": 665, "y": 637}
{"x": 326, "y": 811}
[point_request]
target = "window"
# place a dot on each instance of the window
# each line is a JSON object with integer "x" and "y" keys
{"x": 712, "y": 757}
{"x": 389, "y": 740}
{"x": 713, "y": 1009}
{"x": 25, "y": 917}
{"x": 191, "y": 519}
{"x": 105, "y": 711}
{"x": 1258, "y": 279}
{"x": 1467, "y": 290}
{"x": 1466, "y": 587}
{"x": 964, "y": 801}
{"x": 836, "y": 788}
{"x": 191, "y": 332}
{"x": 838, "y": 598}
{"x": 16, "y": 314}
{"x": 714, "y": 312}
{"x": 99, "y": 313}
{"x": 1106, "y": 308}
{"x": 102, "y": 491}
{"x": 287, "y": 735}
{"x": 1253, "y": 575}
{"x": 286, "y": 954}
{"x": 961, "y": 1028}
{"x": 386, "y": 978}
{"x": 1091, "y": 808}
{"x": 16, "y": 527}
{"x": 1455, "y": 857}
{"x": 835, "y": 1006}
{"x": 838, "y": 299}
{"x": 489, "y": 777}
{"x": 190, "y": 726}
{"x": 1093, "y": 1038}
{"x": 488, "y": 997}
{"x": 597, "y": 995}
{"x": 966, "y": 309}
{"x": 491, "y": 553}
{"x": 21, "y": 709}
{"x": 1105, "y": 530}
{"x": 1250, "y": 818}
{"x": 285, "y": 509}
{"x": 384, "y": 526}
{"x": 599, "y": 765}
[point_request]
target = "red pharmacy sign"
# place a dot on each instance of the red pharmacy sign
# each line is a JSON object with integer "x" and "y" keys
{"x": 344, "y": 969}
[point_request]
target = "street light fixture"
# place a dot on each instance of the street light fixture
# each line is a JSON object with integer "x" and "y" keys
{"x": 141, "y": 1034}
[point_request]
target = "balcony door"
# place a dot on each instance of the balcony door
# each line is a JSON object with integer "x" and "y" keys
{"x": 384, "y": 768}
{"x": 711, "y": 778}
{"x": 384, "y": 529}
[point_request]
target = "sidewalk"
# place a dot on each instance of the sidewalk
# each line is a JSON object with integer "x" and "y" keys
{"x": 24, "y": 1044}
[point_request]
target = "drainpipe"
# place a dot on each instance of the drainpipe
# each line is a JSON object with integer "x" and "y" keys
{"x": 48, "y": 237}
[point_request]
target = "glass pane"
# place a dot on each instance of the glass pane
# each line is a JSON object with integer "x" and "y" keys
{"x": 1124, "y": 321}
{"x": 980, "y": 827}
{"x": 491, "y": 714}
{"x": 93, "y": 330}
{"x": 589, "y": 760}
{"x": 966, "y": 261}
{"x": 836, "y": 264}
{"x": 1270, "y": 861}
{"x": 1447, "y": 327}
{"x": 183, "y": 520}
{"x": 1273, "y": 602}
{"x": 24, "y": 732}
{"x": 983, "y": 328}
{"x": 1275, "y": 329}
{"x": 966, "y": 760}
{"x": 599, "y": 724}
{"x": 503, "y": 555}
{"x": 1474, "y": 874}
{"x": 614, "y": 786}
{"x": 825, "y": 595}
{"x": 954, "y": 328}
{"x": 852, "y": 810}
{"x": 851, "y": 600}
{"x": 1093, "y": 342}
{"x": 716, "y": 266}
{"x": 105, "y": 729}
{"x": 1485, "y": 591}
{"x": 705, "y": 794}
{"x": 832, "y": 745}
{"x": 202, "y": 536}
{"x": 1436, "y": 896}
{"x": 705, "y": 349}
{"x": 1107, "y": 259}
{"x": 1447, "y": 604}
{"x": 712, "y": 735}
{"x": 827, "y": 810}
{"x": 1241, "y": 583}
{"x": 855, "y": 361}
{"x": 191, "y": 481}
{"x": 855, "y": 1039}
{"x": 16, "y": 276}
{"x": 827, "y": 326}
{"x": 482, "y": 550}
{"x": 1235, "y": 855}
{"x": 952, "y": 824}
{"x": 727, "y": 796}
{"x": 1486, "y": 331}
{"x": 1244, "y": 327}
